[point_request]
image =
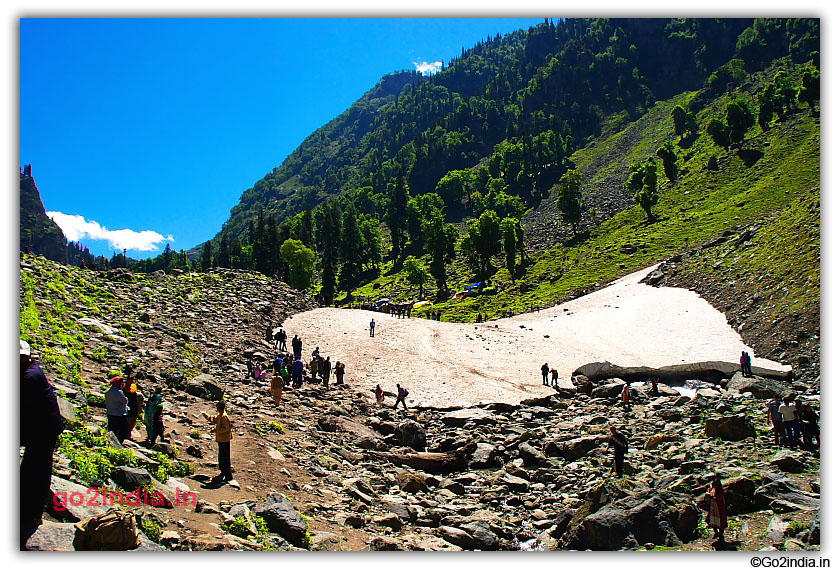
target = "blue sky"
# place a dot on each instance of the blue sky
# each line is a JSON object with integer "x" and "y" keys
{"x": 155, "y": 127}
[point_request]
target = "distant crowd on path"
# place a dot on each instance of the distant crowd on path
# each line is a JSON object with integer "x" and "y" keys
{"x": 289, "y": 370}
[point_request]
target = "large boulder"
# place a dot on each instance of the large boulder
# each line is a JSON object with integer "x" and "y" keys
{"x": 73, "y": 502}
{"x": 573, "y": 449}
{"x": 789, "y": 461}
{"x": 483, "y": 456}
{"x": 610, "y": 389}
{"x": 457, "y": 537}
{"x": 762, "y": 388}
{"x": 661, "y": 518}
{"x": 412, "y": 434}
{"x": 531, "y": 456}
{"x": 782, "y": 494}
{"x": 205, "y": 386}
{"x": 130, "y": 478}
{"x": 483, "y": 537}
{"x": 730, "y": 428}
{"x": 459, "y": 418}
{"x": 282, "y": 518}
{"x": 739, "y": 493}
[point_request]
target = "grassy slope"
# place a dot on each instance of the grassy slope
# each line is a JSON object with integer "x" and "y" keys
{"x": 699, "y": 207}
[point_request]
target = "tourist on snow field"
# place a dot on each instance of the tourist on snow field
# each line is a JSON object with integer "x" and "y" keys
{"x": 326, "y": 368}
{"x": 222, "y": 428}
{"x": 297, "y": 347}
{"x": 372, "y": 326}
{"x": 339, "y": 372}
{"x": 544, "y": 370}
{"x": 380, "y": 396}
{"x": 401, "y": 394}
{"x": 554, "y": 377}
{"x": 746, "y": 364}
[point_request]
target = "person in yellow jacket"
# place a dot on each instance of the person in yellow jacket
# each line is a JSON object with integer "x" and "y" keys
{"x": 223, "y": 430}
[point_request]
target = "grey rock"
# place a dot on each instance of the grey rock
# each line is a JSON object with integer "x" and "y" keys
{"x": 730, "y": 428}
{"x": 130, "y": 478}
{"x": 412, "y": 434}
{"x": 282, "y": 518}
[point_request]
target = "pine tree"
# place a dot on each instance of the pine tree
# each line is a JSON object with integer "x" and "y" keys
{"x": 569, "y": 198}
{"x": 395, "y": 215}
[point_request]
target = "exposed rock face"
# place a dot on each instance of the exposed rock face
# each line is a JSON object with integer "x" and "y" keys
{"x": 37, "y": 231}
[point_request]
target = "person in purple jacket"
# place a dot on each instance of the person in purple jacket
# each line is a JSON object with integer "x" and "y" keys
{"x": 40, "y": 426}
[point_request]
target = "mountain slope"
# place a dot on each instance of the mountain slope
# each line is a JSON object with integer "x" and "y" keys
{"x": 38, "y": 233}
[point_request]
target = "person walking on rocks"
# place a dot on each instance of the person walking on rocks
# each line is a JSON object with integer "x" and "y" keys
{"x": 40, "y": 426}
{"x": 380, "y": 396}
{"x": 277, "y": 383}
{"x": 339, "y": 372}
{"x": 153, "y": 417}
{"x": 810, "y": 427}
{"x": 326, "y": 370}
{"x": 297, "y": 347}
{"x": 223, "y": 429}
{"x": 746, "y": 364}
{"x": 134, "y": 398}
{"x": 717, "y": 508}
{"x": 654, "y": 386}
{"x": 545, "y": 370}
{"x": 625, "y": 397}
{"x": 618, "y": 441}
{"x": 372, "y": 327}
{"x": 401, "y": 394}
{"x": 116, "y": 407}
{"x": 297, "y": 373}
{"x": 789, "y": 419}
{"x": 774, "y": 416}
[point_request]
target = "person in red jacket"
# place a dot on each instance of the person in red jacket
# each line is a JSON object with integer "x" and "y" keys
{"x": 40, "y": 426}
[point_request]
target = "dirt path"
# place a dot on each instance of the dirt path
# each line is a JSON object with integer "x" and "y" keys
{"x": 457, "y": 364}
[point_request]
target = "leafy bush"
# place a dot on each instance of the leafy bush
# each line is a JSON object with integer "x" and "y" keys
{"x": 151, "y": 529}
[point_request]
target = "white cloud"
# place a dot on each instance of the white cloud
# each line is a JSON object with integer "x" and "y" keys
{"x": 77, "y": 228}
{"x": 428, "y": 68}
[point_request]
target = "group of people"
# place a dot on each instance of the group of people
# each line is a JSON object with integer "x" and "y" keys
{"x": 124, "y": 402}
{"x": 289, "y": 370}
{"x": 402, "y": 393}
{"x": 545, "y": 370}
{"x": 791, "y": 419}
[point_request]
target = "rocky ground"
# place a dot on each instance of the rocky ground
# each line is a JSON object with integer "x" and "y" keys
{"x": 327, "y": 470}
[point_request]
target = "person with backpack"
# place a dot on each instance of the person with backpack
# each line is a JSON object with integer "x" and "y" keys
{"x": 40, "y": 425}
{"x": 555, "y": 376}
{"x": 153, "y": 417}
{"x": 618, "y": 441}
{"x": 544, "y": 369}
{"x": 401, "y": 394}
{"x": 116, "y": 408}
{"x": 223, "y": 429}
